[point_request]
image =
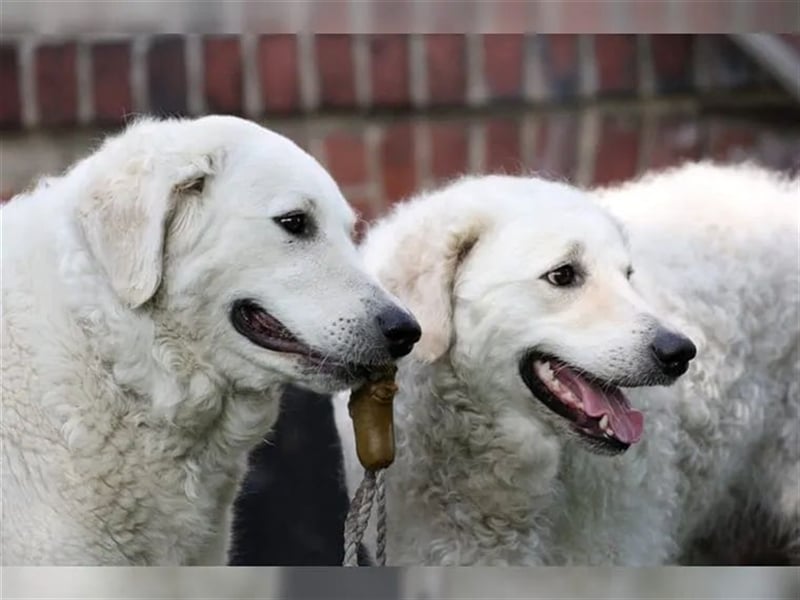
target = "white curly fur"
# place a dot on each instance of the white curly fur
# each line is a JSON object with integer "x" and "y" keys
{"x": 484, "y": 473}
{"x": 129, "y": 402}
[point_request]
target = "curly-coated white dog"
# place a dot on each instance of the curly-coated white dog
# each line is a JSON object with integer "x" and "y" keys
{"x": 156, "y": 298}
{"x": 538, "y": 303}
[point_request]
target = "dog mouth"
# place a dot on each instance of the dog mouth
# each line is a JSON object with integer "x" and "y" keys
{"x": 261, "y": 328}
{"x": 596, "y": 409}
{"x": 253, "y": 322}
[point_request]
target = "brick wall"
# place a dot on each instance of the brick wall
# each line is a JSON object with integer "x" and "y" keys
{"x": 385, "y": 161}
{"x": 64, "y": 82}
{"x": 388, "y": 114}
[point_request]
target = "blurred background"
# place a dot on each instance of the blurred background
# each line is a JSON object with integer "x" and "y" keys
{"x": 390, "y": 113}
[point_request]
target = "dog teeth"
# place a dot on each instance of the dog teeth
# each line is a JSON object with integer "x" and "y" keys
{"x": 569, "y": 397}
{"x": 605, "y": 426}
{"x": 545, "y": 372}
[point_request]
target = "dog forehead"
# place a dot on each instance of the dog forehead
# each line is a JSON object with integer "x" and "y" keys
{"x": 559, "y": 222}
{"x": 269, "y": 162}
{"x": 535, "y": 241}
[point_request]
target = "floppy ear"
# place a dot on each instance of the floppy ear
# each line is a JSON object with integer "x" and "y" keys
{"x": 422, "y": 274}
{"x": 124, "y": 216}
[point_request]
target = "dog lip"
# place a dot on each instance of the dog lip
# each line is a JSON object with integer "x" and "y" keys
{"x": 597, "y": 442}
{"x": 253, "y": 322}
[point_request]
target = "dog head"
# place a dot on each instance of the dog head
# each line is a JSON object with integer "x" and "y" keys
{"x": 237, "y": 240}
{"x": 525, "y": 286}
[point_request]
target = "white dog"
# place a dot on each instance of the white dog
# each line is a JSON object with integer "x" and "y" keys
{"x": 537, "y": 305}
{"x": 155, "y": 300}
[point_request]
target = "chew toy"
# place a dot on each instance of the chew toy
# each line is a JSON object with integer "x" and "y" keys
{"x": 371, "y": 409}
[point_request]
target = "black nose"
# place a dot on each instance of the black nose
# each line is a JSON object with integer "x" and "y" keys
{"x": 400, "y": 329}
{"x": 673, "y": 352}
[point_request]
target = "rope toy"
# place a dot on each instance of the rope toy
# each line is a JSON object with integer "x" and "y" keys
{"x": 371, "y": 409}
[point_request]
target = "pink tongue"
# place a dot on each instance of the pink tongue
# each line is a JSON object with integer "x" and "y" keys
{"x": 626, "y": 422}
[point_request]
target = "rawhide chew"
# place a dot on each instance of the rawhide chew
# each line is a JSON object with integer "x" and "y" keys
{"x": 371, "y": 409}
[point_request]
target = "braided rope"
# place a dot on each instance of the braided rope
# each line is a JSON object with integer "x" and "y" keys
{"x": 355, "y": 524}
{"x": 380, "y": 543}
{"x": 357, "y": 518}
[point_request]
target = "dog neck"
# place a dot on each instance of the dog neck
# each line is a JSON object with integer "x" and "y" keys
{"x": 481, "y": 475}
{"x": 187, "y": 392}
{"x": 166, "y": 382}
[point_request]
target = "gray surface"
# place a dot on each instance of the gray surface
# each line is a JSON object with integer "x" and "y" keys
{"x": 341, "y": 584}
{"x": 408, "y": 584}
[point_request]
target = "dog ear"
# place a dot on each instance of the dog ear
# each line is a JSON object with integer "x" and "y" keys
{"x": 125, "y": 214}
{"x": 422, "y": 273}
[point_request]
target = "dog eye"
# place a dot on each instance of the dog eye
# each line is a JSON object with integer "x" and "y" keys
{"x": 295, "y": 223}
{"x": 628, "y": 272}
{"x": 192, "y": 186}
{"x": 561, "y": 277}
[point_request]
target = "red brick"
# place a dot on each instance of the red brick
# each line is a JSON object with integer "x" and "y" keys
{"x": 337, "y": 83}
{"x": 503, "y": 146}
{"x": 346, "y": 158}
{"x": 278, "y": 73}
{"x": 677, "y": 139}
{"x": 503, "y": 65}
{"x": 616, "y": 60}
{"x": 56, "y": 84}
{"x": 10, "y": 104}
{"x": 398, "y": 173}
{"x": 560, "y": 59}
{"x": 166, "y": 70}
{"x": 222, "y": 58}
{"x": 556, "y": 146}
{"x": 111, "y": 81}
{"x": 449, "y": 149}
{"x": 617, "y": 151}
{"x": 446, "y": 61}
{"x": 672, "y": 62}
{"x": 732, "y": 141}
{"x": 389, "y": 70}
